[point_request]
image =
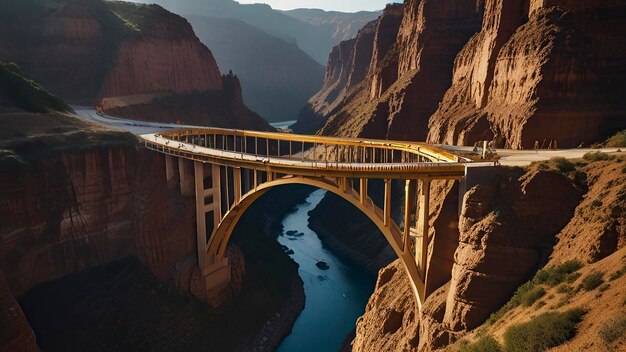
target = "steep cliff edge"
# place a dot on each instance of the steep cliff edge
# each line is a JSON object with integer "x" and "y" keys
{"x": 535, "y": 72}
{"x": 404, "y": 90}
{"x": 509, "y": 228}
{"x": 129, "y": 59}
{"x": 348, "y": 69}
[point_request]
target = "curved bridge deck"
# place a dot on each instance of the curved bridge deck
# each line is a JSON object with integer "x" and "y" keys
{"x": 228, "y": 170}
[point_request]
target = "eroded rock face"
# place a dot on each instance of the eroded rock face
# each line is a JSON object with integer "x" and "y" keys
{"x": 389, "y": 322}
{"x": 84, "y": 209}
{"x": 507, "y": 229}
{"x": 15, "y": 332}
{"x": 165, "y": 56}
{"x": 408, "y": 83}
{"x": 548, "y": 70}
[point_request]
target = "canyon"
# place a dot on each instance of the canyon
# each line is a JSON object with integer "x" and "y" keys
{"x": 79, "y": 201}
{"x": 462, "y": 72}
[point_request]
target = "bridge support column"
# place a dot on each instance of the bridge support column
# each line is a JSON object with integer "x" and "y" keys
{"x": 421, "y": 243}
{"x": 363, "y": 191}
{"x": 409, "y": 204}
{"x": 200, "y": 214}
{"x": 185, "y": 170}
{"x": 169, "y": 171}
{"x": 387, "y": 206}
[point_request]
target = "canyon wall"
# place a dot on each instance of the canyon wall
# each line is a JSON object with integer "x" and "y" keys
{"x": 538, "y": 71}
{"x": 81, "y": 209}
{"x": 16, "y": 334}
{"x": 514, "y": 72}
{"x": 349, "y": 65}
{"x": 131, "y": 60}
{"x": 506, "y": 231}
{"x": 404, "y": 90}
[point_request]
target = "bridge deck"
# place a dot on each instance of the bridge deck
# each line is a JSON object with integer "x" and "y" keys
{"x": 296, "y": 164}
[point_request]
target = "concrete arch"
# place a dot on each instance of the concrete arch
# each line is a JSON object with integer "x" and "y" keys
{"x": 220, "y": 237}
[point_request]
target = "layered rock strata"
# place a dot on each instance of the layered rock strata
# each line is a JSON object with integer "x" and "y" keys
{"x": 506, "y": 231}
{"x": 542, "y": 71}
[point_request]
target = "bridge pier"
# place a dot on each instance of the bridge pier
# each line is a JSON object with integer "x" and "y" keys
{"x": 216, "y": 275}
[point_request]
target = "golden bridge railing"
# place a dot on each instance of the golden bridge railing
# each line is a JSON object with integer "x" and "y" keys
{"x": 311, "y": 148}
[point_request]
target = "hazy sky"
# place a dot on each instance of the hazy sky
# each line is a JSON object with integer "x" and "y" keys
{"x": 337, "y": 5}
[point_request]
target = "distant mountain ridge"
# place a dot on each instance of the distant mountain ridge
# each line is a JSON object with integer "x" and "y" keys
{"x": 276, "y": 76}
{"x": 315, "y": 31}
{"x": 340, "y": 26}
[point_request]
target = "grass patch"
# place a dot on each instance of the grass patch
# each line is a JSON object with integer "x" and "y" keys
{"x": 616, "y": 275}
{"x": 596, "y": 156}
{"x": 592, "y": 281}
{"x": 25, "y": 93}
{"x": 613, "y": 329}
{"x": 531, "y": 291}
{"x": 616, "y": 141}
{"x": 484, "y": 344}
{"x": 558, "y": 274}
{"x": 533, "y": 295}
{"x": 565, "y": 167}
{"x": 542, "y": 332}
{"x": 557, "y": 163}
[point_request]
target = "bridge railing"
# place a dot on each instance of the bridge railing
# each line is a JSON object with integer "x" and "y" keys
{"x": 311, "y": 148}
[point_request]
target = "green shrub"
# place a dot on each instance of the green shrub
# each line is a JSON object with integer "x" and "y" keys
{"x": 613, "y": 329}
{"x": 558, "y": 163}
{"x": 592, "y": 281}
{"x": 543, "y": 332}
{"x": 529, "y": 292}
{"x": 596, "y": 203}
{"x": 624, "y": 169}
{"x": 596, "y": 156}
{"x": 616, "y": 275}
{"x": 558, "y": 274}
{"x": 484, "y": 344}
{"x": 617, "y": 141}
{"x": 533, "y": 295}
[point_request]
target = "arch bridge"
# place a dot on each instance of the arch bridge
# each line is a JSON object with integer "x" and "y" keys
{"x": 227, "y": 170}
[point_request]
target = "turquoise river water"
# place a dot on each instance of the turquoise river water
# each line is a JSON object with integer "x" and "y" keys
{"x": 335, "y": 297}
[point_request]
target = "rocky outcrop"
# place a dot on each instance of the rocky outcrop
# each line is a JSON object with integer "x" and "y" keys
{"x": 506, "y": 231}
{"x": 548, "y": 72}
{"x": 389, "y": 322}
{"x": 15, "y": 332}
{"x": 599, "y": 227}
{"x": 89, "y": 208}
{"x": 414, "y": 75}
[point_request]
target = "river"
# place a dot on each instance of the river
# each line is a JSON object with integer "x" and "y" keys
{"x": 335, "y": 297}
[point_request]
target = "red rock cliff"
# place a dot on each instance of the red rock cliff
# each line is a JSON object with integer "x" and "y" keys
{"x": 415, "y": 73}
{"x": 506, "y": 229}
{"x": 163, "y": 56}
{"x": 83, "y": 209}
{"x": 548, "y": 70}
